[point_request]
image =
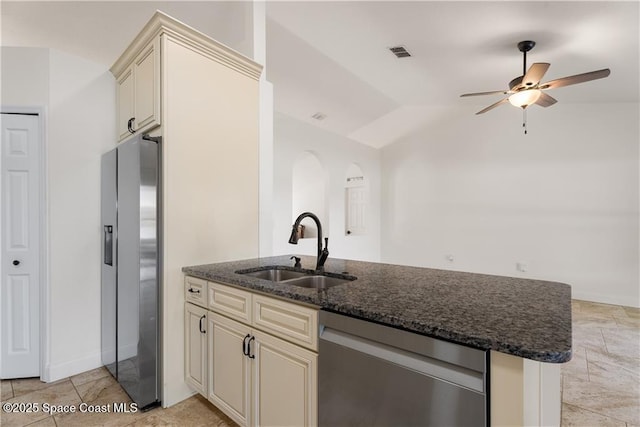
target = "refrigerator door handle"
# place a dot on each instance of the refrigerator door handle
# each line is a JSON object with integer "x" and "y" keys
{"x": 108, "y": 245}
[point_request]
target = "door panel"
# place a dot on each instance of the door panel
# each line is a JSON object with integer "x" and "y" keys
{"x": 229, "y": 374}
{"x": 18, "y": 291}
{"x": 18, "y": 210}
{"x": 20, "y": 343}
{"x": 356, "y": 210}
{"x": 137, "y": 273}
{"x": 285, "y": 383}
{"x": 125, "y": 101}
{"x": 196, "y": 347}
{"x": 147, "y": 89}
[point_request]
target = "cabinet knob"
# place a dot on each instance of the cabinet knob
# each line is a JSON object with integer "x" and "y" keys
{"x": 130, "y": 125}
{"x": 16, "y": 262}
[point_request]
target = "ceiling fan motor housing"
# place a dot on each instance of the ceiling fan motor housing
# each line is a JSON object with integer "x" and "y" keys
{"x": 526, "y": 45}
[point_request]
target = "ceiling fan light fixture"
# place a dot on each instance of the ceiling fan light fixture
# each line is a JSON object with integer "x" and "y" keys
{"x": 524, "y": 98}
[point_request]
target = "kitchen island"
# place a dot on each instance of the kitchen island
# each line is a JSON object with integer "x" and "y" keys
{"x": 521, "y": 317}
{"x": 525, "y": 324}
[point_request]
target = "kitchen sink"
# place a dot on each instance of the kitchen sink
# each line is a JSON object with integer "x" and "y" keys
{"x": 302, "y": 278}
{"x": 275, "y": 275}
{"x": 318, "y": 282}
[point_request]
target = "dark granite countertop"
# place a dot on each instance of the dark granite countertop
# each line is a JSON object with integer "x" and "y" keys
{"x": 522, "y": 317}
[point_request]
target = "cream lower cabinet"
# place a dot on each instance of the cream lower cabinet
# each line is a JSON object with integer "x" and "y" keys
{"x": 261, "y": 367}
{"x": 284, "y": 383}
{"x": 195, "y": 320}
{"x": 229, "y": 368}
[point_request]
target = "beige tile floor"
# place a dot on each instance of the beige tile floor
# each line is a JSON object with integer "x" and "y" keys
{"x": 600, "y": 386}
{"x": 601, "y": 383}
{"x": 98, "y": 388}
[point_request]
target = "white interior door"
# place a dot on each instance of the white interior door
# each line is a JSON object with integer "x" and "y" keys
{"x": 356, "y": 210}
{"x": 20, "y": 293}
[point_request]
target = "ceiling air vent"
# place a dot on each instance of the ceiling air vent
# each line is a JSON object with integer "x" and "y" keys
{"x": 400, "y": 51}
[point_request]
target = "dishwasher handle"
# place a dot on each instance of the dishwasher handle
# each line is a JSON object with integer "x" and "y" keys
{"x": 438, "y": 369}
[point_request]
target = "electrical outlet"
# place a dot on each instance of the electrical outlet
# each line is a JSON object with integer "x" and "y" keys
{"x": 522, "y": 266}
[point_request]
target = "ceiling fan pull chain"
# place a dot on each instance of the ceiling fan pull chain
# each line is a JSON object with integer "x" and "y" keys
{"x": 524, "y": 120}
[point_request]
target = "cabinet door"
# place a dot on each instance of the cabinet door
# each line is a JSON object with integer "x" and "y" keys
{"x": 125, "y": 100}
{"x": 195, "y": 321}
{"x": 229, "y": 368}
{"x": 146, "y": 73}
{"x": 285, "y": 383}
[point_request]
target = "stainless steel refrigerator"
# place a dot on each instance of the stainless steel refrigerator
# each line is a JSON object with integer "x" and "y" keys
{"x": 131, "y": 268}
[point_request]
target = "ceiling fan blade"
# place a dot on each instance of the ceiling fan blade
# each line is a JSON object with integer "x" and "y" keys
{"x": 534, "y": 74}
{"x": 578, "y": 78}
{"x": 546, "y": 100}
{"x": 493, "y": 92}
{"x": 492, "y": 106}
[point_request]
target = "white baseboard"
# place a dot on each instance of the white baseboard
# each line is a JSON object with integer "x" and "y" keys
{"x": 58, "y": 371}
{"x": 175, "y": 393}
{"x": 623, "y": 300}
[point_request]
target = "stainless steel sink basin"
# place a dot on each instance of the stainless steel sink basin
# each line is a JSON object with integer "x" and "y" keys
{"x": 276, "y": 275}
{"x": 317, "y": 282}
{"x": 302, "y": 278}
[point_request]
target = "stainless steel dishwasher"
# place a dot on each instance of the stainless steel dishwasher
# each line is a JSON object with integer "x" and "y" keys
{"x": 374, "y": 375}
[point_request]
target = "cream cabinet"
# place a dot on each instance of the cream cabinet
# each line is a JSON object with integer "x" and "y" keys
{"x": 202, "y": 98}
{"x": 138, "y": 92}
{"x": 284, "y": 383}
{"x": 195, "y": 321}
{"x": 261, "y": 356}
{"x": 230, "y": 367}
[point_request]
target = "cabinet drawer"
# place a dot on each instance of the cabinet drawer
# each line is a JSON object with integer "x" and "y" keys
{"x": 195, "y": 291}
{"x": 231, "y": 302}
{"x": 292, "y": 322}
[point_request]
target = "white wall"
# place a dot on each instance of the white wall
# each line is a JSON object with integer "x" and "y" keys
{"x": 81, "y": 128}
{"x": 563, "y": 200}
{"x": 25, "y": 76}
{"x": 336, "y": 153}
{"x": 79, "y": 97}
{"x": 308, "y": 194}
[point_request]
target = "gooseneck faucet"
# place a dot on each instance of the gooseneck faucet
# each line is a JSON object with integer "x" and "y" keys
{"x": 323, "y": 254}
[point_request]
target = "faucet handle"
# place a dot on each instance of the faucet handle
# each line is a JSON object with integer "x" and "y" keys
{"x": 326, "y": 243}
{"x": 297, "y": 264}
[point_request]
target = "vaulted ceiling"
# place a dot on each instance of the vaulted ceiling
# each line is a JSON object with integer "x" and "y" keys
{"x": 333, "y": 58}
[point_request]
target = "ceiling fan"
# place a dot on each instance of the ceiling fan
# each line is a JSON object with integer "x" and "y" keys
{"x": 526, "y": 90}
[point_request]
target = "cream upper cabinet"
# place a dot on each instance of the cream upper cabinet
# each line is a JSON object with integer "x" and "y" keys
{"x": 124, "y": 99}
{"x": 138, "y": 92}
{"x": 195, "y": 321}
